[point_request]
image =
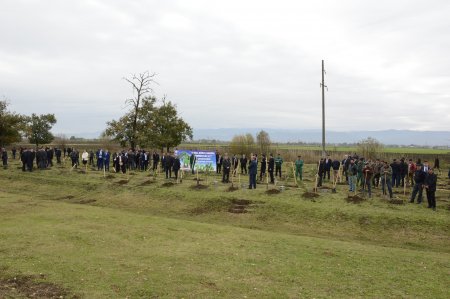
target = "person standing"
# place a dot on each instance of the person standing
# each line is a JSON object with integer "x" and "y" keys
{"x": 252, "y": 171}
{"x": 436, "y": 165}
{"x": 320, "y": 172}
{"x": 327, "y": 169}
{"x": 299, "y": 168}
{"x": 226, "y": 164}
{"x": 155, "y": 158}
{"x": 419, "y": 180}
{"x": 4, "y": 158}
{"x": 262, "y": 172}
{"x": 352, "y": 171}
{"x": 336, "y": 165}
{"x": 219, "y": 160}
{"x": 14, "y": 152}
{"x": 176, "y": 166}
{"x": 278, "y": 164}
{"x": 106, "y": 160}
{"x": 270, "y": 168}
{"x": 386, "y": 178}
{"x": 411, "y": 170}
{"x": 169, "y": 165}
{"x": 367, "y": 173}
{"x": 58, "y": 155}
{"x": 243, "y": 161}
{"x": 84, "y": 158}
{"x": 430, "y": 187}
{"x": 192, "y": 162}
{"x": 395, "y": 173}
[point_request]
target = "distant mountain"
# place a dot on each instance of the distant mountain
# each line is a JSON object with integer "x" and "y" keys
{"x": 398, "y": 137}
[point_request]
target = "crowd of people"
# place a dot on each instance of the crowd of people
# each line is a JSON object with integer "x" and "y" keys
{"x": 365, "y": 174}
{"x": 357, "y": 171}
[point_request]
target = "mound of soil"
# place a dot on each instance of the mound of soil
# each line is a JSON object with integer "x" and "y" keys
{"x": 122, "y": 182}
{"x": 232, "y": 189}
{"x": 109, "y": 176}
{"x": 355, "y": 199}
{"x": 168, "y": 184}
{"x": 200, "y": 180}
{"x": 310, "y": 195}
{"x": 26, "y": 286}
{"x": 273, "y": 191}
{"x": 66, "y": 197}
{"x": 396, "y": 201}
{"x": 198, "y": 187}
{"x": 146, "y": 183}
{"x": 86, "y": 201}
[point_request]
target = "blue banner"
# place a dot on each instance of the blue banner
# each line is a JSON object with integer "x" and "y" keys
{"x": 202, "y": 160}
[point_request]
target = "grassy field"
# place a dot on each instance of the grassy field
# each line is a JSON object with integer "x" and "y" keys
{"x": 81, "y": 235}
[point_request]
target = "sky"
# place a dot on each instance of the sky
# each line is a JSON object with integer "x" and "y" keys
{"x": 231, "y": 64}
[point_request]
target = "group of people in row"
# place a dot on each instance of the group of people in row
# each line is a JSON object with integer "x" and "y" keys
{"x": 363, "y": 173}
{"x": 232, "y": 164}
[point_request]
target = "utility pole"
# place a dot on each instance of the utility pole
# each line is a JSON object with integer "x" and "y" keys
{"x": 323, "y": 109}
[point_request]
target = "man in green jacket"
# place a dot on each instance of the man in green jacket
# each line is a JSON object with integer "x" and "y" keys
{"x": 278, "y": 163}
{"x": 299, "y": 168}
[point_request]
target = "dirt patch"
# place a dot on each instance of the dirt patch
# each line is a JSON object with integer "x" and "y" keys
{"x": 146, "y": 183}
{"x": 68, "y": 197}
{"x": 355, "y": 199}
{"x": 232, "y": 189}
{"x": 396, "y": 201}
{"x": 198, "y": 187}
{"x": 195, "y": 179}
{"x": 239, "y": 206}
{"x": 122, "y": 182}
{"x": 86, "y": 201}
{"x": 272, "y": 191}
{"x": 27, "y": 286}
{"x": 109, "y": 176}
{"x": 310, "y": 195}
{"x": 168, "y": 184}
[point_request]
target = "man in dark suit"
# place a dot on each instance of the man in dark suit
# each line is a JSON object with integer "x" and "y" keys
{"x": 243, "y": 161}
{"x": 270, "y": 168}
{"x": 252, "y": 171}
{"x": 226, "y": 164}
{"x": 430, "y": 187}
{"x": 262, "y": 173}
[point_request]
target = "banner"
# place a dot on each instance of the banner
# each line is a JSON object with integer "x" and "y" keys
{"x": 203, "y": 161}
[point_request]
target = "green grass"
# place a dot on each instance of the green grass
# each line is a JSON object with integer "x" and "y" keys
{"x": 99, "y": 239}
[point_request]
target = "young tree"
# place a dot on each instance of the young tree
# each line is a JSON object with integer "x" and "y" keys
{"x": 242, "y": 144}
{"x": 38, "y": 128}
{"x": 164, "y": 128}
{"x": 369, "y": 148}
{"x": 263, "y": 141}
{"x": 11, "y": 124}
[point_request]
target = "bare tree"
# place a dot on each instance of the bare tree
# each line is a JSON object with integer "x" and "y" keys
{"x": 141, "y": 86}
{"x": 263, "y": 141}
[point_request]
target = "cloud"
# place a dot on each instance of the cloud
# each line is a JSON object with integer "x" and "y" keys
{"x": 232, "y": 63}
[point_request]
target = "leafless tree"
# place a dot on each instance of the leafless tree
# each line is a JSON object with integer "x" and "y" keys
{"x": 141, "y": 84}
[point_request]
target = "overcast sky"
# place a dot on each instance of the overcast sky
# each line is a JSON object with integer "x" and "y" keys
{"x": 231, "y": 63}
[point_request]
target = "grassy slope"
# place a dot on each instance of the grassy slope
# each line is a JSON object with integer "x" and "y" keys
{"x": 144, "y": 241}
